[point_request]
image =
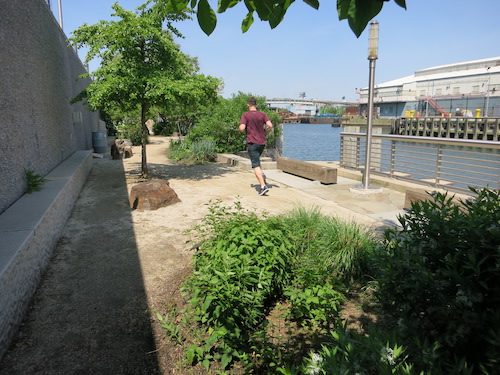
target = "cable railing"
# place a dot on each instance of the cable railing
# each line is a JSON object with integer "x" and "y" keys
{"x": 451, "y": 164}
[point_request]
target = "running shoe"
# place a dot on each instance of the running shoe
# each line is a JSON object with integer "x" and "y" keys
{"x": 263, "y": 190}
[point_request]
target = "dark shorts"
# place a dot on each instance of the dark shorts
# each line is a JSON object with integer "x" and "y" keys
{"x": 254, "y": 151}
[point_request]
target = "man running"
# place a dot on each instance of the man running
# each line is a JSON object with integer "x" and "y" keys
{"x": 256, "y": 124}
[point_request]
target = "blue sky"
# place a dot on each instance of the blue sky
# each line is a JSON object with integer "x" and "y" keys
{"x": 312, "y": 51}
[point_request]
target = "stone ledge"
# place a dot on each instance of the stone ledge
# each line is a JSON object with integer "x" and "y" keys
{"x": 29, "y": 232}
{"x": 312, "y": 171}
{"x": 244, "y": 163}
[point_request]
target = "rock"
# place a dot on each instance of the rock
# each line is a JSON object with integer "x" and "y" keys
{"x": 149, "y": 124}
{"x": 152, "y": 195}
{"x": 121, "y": 148}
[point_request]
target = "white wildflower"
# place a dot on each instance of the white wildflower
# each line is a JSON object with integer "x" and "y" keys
{"x": 316, "y": 358}
{"x": 314, "y": 368}
{"x": 387, "y": 356}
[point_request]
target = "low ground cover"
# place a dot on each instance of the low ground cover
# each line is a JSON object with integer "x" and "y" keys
{"x": 270, "y": 295}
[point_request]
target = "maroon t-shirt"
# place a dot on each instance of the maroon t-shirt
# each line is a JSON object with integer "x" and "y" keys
{"x": 255, "y": 122}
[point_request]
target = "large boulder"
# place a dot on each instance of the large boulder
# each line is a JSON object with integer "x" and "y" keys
{"x": 152, "y": 195}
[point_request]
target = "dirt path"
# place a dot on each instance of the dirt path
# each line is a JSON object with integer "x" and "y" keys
{"x": 93, "y": 312}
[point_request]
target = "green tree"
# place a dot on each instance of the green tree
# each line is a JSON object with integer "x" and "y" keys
{"x": 357, "y": 12}
{"x": 141, "y": 66}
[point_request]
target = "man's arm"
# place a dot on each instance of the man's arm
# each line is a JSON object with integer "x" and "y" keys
{"x": 242, "y": 127}
{"x": 269, "y": 125}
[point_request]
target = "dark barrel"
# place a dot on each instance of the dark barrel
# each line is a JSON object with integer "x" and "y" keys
{"x": 100, "y": 142}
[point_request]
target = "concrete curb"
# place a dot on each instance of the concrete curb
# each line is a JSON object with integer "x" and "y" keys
{"x": 29, "y": 232}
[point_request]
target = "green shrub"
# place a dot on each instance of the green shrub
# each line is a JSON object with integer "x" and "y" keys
{"x": 34, "y": 181}
{"x": 130, "y": 129}
{"x": 241, "y": 268}
{"x": 439, "y": 278}
{"x": 164, "y": 128}
{"x": 203, "y": 150}
{"x": 193, "y": 152}
{"x": 248, "y": 266}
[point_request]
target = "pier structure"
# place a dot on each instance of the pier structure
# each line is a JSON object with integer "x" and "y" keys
{"x": 481, "y": 128}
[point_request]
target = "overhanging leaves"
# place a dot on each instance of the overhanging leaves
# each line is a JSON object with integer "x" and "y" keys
{"x": 358, "y": 12}
{"x": 206, "y": 17}
{"x": 247, "y": 22}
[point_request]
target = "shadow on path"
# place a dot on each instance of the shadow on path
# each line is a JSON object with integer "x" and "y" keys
{"x": 183, "y": 172}
{"x": 90, "y": 313}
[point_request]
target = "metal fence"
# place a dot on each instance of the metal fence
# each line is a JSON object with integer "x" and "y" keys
{"x": 452, "y": 164}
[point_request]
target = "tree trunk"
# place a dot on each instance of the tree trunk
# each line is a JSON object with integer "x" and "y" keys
{"x": 145, "y": 132}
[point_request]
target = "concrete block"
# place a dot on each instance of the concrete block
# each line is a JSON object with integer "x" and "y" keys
{"x": 315, "y": 172}
{"x": 412, "y": 195}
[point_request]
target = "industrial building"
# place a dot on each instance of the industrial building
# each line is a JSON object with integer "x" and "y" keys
{"x": 470, "y": 89}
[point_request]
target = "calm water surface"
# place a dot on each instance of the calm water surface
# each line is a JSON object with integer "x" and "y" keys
{"x": 306, "y": 142}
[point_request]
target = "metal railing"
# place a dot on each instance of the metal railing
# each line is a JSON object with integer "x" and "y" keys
{"x": 451, "y": 164}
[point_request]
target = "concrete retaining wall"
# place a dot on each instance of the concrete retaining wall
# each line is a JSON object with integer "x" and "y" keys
{"x": 40, "y": 131}
{"x": 39, "y": 128}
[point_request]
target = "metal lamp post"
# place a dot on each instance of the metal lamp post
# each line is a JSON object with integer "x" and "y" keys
{"x": 487, "y": 92}
{"x": 59, "y": 7}
{"x": 372, "y": 56}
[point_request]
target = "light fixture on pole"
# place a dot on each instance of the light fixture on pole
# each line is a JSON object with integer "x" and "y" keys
{"x": 372, "y": 56}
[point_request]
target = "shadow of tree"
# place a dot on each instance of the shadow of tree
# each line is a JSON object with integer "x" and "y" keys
{"x": 182, "y": 171}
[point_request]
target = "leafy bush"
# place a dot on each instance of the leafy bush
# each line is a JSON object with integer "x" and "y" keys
{"x": 246, "y": 268}
{"x": 164, "y": 128}
{"x": 439, "y": 278}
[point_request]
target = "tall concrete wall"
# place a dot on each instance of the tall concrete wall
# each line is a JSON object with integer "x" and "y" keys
{"x": 41, "y": 131}
{"x": 39, "y": 128}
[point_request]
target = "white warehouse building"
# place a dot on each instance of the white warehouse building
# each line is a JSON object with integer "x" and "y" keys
{"x": 468, "y": 88}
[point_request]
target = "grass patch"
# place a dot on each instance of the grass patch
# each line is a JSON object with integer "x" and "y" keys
{"x": 185, "y": 151}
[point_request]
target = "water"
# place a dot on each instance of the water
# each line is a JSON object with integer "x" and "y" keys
{"x": 306, "y": 142}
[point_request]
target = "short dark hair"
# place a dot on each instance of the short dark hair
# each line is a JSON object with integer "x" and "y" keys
{"x": 252, "y": 101}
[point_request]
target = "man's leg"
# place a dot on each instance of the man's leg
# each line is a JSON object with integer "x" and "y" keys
{"x": 260, "y": 176}
{"x": 254, "y": 152}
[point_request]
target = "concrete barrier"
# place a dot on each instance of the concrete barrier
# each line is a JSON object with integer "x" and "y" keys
{"x": 29, "y": 232}
{"x": 312, "y": 171}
